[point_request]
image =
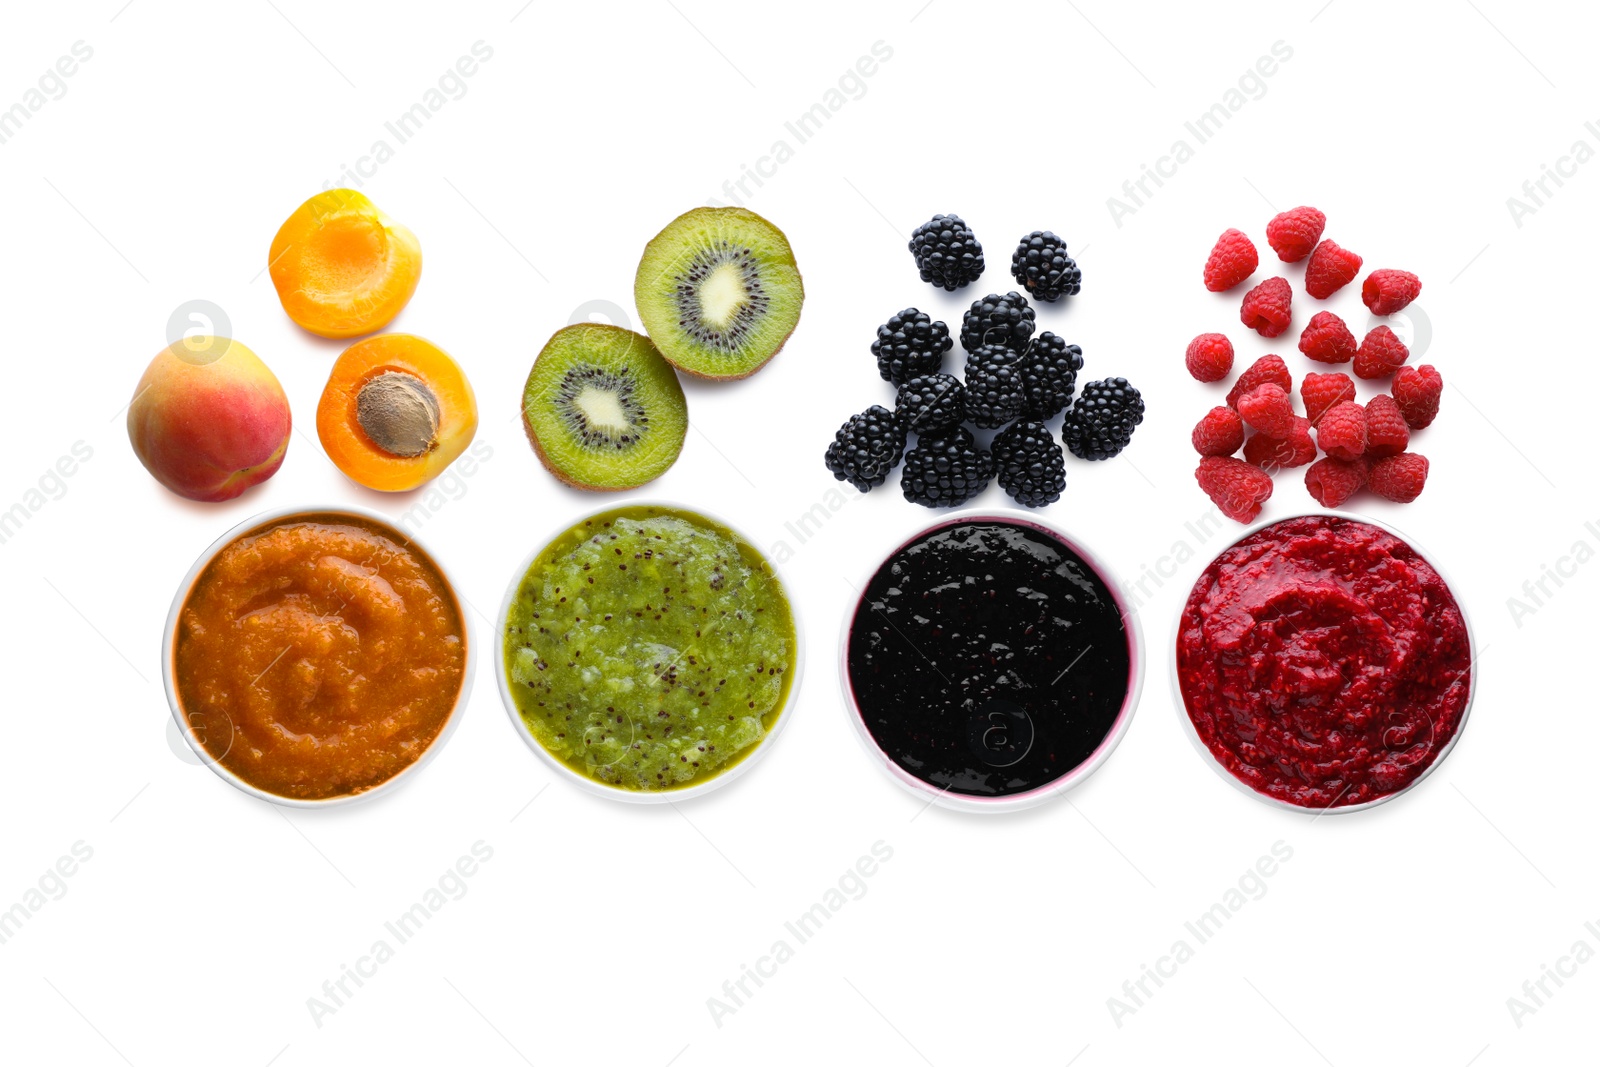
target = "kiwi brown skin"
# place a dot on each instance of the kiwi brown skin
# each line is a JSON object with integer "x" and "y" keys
{"x": 562, "y": 476}
{"x": 740, "y": 213}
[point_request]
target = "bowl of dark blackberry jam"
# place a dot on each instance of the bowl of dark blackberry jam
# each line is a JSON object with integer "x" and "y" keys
{"x": 990, "y": 662}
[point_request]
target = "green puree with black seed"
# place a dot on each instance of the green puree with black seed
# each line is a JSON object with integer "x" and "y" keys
{"x": 650, "y": 648}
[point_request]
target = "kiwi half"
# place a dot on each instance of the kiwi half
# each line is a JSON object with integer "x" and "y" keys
{"x": 718, "y": 292}
{"x": 603, "y": 409}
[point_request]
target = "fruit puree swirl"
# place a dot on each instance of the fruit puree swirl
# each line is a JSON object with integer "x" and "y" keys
{"x": 318, "y": 658}
{"x": 1324, "y": 662}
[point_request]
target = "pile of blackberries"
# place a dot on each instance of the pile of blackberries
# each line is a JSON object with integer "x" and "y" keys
{"x": 1013, "y": 381}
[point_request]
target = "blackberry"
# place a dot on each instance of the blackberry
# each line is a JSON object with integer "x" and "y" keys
{"x": 946, "y": 470}
{"x": 866, "y": 448}
{"x": 994, "y": 386}
{"x": 930, "y": 402}
{"x": 1101, "y": 421}
{"x": 1028, "y": 463}
{"x": 997, "y": 320}
{"x": 1041, "y": 265}
{"x": 910, "y": 344}
{"x": 946, "y": 252}
{"x": 1050, "y": 369}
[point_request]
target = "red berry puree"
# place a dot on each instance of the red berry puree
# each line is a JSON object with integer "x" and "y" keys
{"x": 1324, "y": 662}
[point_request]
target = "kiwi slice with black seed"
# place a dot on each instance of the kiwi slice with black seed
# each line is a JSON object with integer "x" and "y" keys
{"x": 718, "y": 292}
{"x": 603, "y": 409}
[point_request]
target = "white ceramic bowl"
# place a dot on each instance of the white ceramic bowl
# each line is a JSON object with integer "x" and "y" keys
{"x": 1284, "y": 805}
{"x": 635, "y": 796}
{"x": 169, "y": 643}
{"x": 1016, "y": 801}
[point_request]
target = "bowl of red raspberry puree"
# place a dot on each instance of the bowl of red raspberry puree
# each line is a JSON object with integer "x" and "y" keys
{"x": 1323, "y": 663}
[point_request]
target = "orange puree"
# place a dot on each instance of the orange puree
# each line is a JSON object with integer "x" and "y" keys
{"x": 319, "y": 656}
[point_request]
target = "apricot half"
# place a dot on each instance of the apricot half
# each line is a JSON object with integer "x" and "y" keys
{"x": 209, "y": 419}
{"x": 396, "y": 412}
{"x": 343, "y": 268}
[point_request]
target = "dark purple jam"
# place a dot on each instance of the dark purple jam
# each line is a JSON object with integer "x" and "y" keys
{"x": 988, "y": 658}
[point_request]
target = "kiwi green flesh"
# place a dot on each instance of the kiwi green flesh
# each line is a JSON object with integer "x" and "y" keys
{"x": 603, "y": 409}
{"x": 719, "y": 292}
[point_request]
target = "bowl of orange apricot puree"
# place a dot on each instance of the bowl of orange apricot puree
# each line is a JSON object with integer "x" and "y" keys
{"x": 316, "y": 656}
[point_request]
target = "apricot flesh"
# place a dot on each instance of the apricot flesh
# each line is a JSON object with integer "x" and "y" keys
{"x": 209, "y": 428}
{"x": 343, "y": 268}
{"x": 396, "y": 411}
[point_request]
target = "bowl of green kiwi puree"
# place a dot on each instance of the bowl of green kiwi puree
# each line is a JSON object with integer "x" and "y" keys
{"x": 649, "y": 651}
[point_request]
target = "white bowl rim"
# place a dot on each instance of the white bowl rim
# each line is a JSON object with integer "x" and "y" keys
{"x": 1132, "y": 628}
{"x": 617, "y": 793}
{"x": 1275, "y": 802}
{"x": 266, "y": 518}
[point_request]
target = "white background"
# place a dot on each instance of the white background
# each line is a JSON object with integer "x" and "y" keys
{"x": 205, "y": 919}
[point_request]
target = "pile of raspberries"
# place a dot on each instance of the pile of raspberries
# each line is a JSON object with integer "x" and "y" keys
{"x": 1361, "y": 446}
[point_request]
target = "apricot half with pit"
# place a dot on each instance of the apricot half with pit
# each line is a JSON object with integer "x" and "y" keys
{"x": 396, "y": 411}
{"x": 208, "y": 420}
{"x": 343, "y": 268}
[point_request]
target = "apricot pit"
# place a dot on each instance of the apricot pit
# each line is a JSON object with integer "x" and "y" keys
{"x": 400, "y": 414}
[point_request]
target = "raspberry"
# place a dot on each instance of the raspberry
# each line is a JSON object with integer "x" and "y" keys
{"x": 1399, "y": 478}
{"x": 1209, "y": 357}
{"x": 1264, "y": 370}
{"x": 1387, "y": 433}
{"x": 1342, "y": 432}
{"x": 1331, "y": 269}
{"x": 1235, "y": 486}
{"x": 1416, "y": 390}
{"x": 1319, "y": 392}
{"x": 1333, "y": 481}
{"x": 1380, "y": 355}
{"x": 1266, "y": 307}
{"x": 1294, "y": 233}
{"x": 1268, "y": 409}
{"x": 1327, "y": 339}
{"x": 1233, "y": 259}
{"x": 1220, "y": 433}
{"x": 1276, "y": 453}
{"x": 1387, "y": 291}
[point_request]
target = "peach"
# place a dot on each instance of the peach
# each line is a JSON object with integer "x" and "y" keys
{"x": 208, "y": 419}
{"x": 343, "y": 268}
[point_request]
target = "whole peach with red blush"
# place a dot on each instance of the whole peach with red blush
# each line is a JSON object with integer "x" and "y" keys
{"x": 208, "y": 420}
